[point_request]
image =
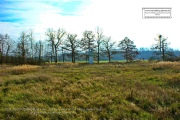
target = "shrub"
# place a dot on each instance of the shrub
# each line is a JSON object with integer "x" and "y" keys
{"x": 152, "y": 58}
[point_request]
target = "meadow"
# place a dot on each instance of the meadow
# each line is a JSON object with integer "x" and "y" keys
{"x": 105, "y": 91}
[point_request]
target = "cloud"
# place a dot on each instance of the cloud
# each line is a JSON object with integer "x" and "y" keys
{"x": 38, "y": 15}
{"x": 117, "y": 18}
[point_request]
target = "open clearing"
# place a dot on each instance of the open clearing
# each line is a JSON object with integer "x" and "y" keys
{"x": 100, "y": 91}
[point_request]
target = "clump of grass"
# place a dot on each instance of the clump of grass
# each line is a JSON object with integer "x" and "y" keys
{"x": 69, "y": 64}
{"x": 21, "y": 69}
{"x": 174, "y": 66}
{"x": 24, "y": 69}
{"x": 5, "y": 90}
{"x": 28, "y": 79}
{"x": 167, "y": 64}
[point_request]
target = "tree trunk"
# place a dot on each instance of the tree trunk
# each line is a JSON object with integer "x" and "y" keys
{"x": 109, "y": 59}
{"x": 72, "y": 59}
{"x": 163, "y": 54}
{"x": 2, "y": 51}
{"x": 56, "y": 54}
{"x": 40, "y": 52}
{"x": 126, "y": 55}
{"x": 56, "y": 57}
{"x": 51, "y": 57}
{"x": 98, "y": 54}
{"x": 72, "y": 56}
{"x": 109, "y": 56}
{"x": 23, "y": 53}
{"x": 1, "y": 57}
{"x": 7, "y": 52}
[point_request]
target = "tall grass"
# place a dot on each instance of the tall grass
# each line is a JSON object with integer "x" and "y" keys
{"x": 168, "y": 64}
{"x": 16, "y": 70}
{"x": 99, "y": 91}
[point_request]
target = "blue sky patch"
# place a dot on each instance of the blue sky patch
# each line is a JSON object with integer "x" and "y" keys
{"x": 20, "y": 10}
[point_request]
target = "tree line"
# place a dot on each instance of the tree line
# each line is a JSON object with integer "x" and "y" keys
{"x": 28, "y": 50}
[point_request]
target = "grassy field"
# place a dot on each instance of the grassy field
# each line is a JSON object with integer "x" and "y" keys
{"x": 80, "y": 91}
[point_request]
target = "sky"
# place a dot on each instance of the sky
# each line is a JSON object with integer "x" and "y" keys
{"x": 117, "y": 18}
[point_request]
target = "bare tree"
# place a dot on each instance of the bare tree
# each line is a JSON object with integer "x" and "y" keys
{"x": 38, "y": 51}
{"x": 55, "y": 39}
{"x": 23, "y": 46}
{"x": 161, "y": 46}
{"x": 108, "y": 47}
{"x": 87, "y": 42}
{"x": 8, "y": 46}
{"x": 2, "y": 42}
{"x": 99, "y": 40}
{"x": 59, "y": 36}
{"x": 128, "y": 49}
{"x": 31, "y": 39}
{"x": 72, "y": 44}
{"x": 51, "y": 34}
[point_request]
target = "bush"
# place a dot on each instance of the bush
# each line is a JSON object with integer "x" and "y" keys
{"x": 152, "y": 58}
{"x": 173, "y": 59}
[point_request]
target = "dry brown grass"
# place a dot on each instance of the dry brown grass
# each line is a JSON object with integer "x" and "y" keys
{"x": 16, "y": 70}
{"x": 98, "y": 91}
{"x": 167, "y": 64}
